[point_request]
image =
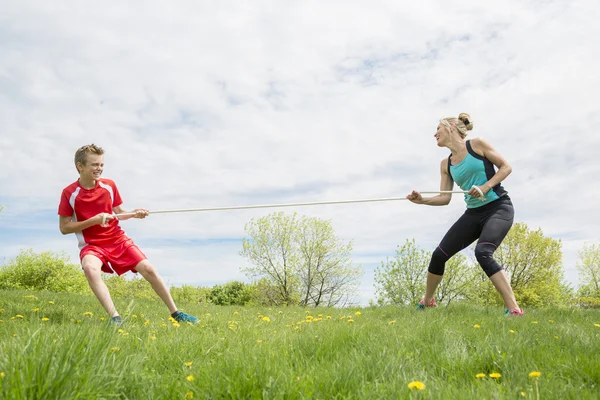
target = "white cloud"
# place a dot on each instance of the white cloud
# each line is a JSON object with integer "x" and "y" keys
{"x": 229, "y": 104}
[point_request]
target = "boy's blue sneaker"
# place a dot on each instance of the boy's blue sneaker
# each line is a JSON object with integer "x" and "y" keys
{"x": 183, "y": 317}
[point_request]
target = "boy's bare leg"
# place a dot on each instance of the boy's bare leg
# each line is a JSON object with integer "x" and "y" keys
{"x": 149, "y": 272}
{"x": 92, "y": 268}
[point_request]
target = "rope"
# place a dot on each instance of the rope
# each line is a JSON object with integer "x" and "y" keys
{"x": 290, "y": 204}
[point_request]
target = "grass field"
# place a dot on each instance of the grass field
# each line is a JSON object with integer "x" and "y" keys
{"x": 57, "y": 346}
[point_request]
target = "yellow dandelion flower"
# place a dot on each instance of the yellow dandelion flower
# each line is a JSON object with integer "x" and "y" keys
{"x": 120, "y": 331}
{"x": 232, "y": 327}
{"x": 19, "y": 316}
{"x": 115, "y": 348}
{"x": 534, "y": 322}
{"x": 2, "y": 375}
{"x": 476, "y": 326}
{"x": 172, "y": 319}
{"x": 36, "y": 309}
{"x": 236, "y": 313}
{"x": 51, "y": 302}
{"x": 357, "y": 313}
{"x": 78, "y": 321}
{"x": 329, "y": 317}
{"x": 190, "y": 378}
{"x": 154, "y": 332}
{"x": 551, "y": 321}
{"x": 597, "y": 325}
{"x": 555, "y": 337}
{"x": 416, "y": 385}
{"x": 274, "y": 332}
{"x": 535, "y": 374}
{"x": 523, "y": 394}
{"x": 392, "y": 322}
{"x": 495, "y": 375}
{"x": 163, "y": 325}
{"x": 147, "y": 322}
{"x": 259, "y": 341}
{"x": 350, "y": 320}
{"x": 102, "y": 318}
{"x": 1, "y": 320}
{"x": 134, "y": 316}
{"x": 343, "y": 317}
{"x": 511, "y": 331}
{"x": 480, "y": 376}
{"x": 88, "y": 313}
{"x": 176, "y": 324}
{"x": 188, "y": 364}
{"x": 126, "y": 334}
{"x": 45, "y": 319}
{"x": 266, "y": 319}
{"x": 189, "y": 395}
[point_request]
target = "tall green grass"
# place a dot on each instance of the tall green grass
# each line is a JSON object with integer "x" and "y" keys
{"x": 294, "y": 353}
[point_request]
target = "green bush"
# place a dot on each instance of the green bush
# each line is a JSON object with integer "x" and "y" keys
{"x": 136, "y": 288}
{"x": 44, "y": 271}
{"x": 587, "y": 302}
{"x": 234, "y": 293}
{"x": 191, "y": 294}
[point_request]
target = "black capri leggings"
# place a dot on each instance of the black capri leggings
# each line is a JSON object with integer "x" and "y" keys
{"x": 490, "y": 223}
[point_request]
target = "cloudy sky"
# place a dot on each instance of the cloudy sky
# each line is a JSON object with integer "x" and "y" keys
{"x": 228, "y": 103}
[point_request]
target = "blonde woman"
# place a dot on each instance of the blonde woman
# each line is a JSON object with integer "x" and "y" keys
{"x": 478, "y": 168}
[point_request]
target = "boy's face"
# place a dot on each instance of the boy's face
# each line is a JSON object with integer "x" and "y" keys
{"x": 92, "y": 168}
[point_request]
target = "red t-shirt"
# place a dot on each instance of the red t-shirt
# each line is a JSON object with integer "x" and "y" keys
{"x": 81, "y": 204}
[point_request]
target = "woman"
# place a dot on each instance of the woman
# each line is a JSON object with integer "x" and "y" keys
{"x": 489, "y": 215}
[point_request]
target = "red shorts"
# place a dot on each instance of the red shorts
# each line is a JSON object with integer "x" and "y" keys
{"x": 118, "y": 258}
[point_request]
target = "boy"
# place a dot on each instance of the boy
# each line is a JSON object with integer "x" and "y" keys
{"x": 87, "y": 208}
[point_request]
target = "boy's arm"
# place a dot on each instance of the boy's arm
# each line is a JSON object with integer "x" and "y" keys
{"x": 67, "y": 226}
{"x": 139, "y": 213}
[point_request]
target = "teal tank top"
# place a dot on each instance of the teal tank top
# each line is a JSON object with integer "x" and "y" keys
{"x": 475, "y": 170}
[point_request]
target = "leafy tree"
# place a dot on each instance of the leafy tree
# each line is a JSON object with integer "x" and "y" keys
{"x": 301, "y": 258}
{"x": 588, "y": 266}
{"x": 401, "y": 280}
{"x": 534, "y": 264}
{"x": 459, "y": 278}
{"x": 326, "y": 277}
